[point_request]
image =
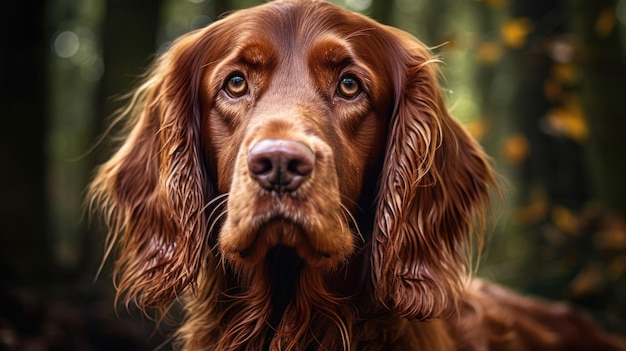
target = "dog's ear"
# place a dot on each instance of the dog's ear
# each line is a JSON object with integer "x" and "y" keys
{"x": 153, "y": 191}
{"x": 434, "y": 185}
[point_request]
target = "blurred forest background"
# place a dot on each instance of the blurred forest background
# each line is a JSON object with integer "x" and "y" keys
{"x": 541, "y": 83}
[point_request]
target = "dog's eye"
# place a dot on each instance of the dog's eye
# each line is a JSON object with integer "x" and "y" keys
{"x": 236, "y": 85}
{"x": 349, "y": 87}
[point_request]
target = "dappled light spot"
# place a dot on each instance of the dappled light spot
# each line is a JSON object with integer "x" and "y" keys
{"x": 66, "y": 44}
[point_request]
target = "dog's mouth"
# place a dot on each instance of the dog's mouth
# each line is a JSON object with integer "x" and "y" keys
{"x": 315, "y": 231}
{"x": 283, "y": 240}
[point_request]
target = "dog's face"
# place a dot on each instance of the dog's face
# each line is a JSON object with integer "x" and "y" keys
{"x": 301, "y": 128}
{"x": 303, "y": 91}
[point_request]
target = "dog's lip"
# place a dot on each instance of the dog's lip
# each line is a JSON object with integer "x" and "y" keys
{"x": 283, "y": 231}
{"x": 246, "y": 252}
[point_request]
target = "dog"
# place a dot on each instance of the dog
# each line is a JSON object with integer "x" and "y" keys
{"x": 292, "y": 175}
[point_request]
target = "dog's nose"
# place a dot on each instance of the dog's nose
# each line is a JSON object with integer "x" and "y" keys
{"x": 280, "y": 165}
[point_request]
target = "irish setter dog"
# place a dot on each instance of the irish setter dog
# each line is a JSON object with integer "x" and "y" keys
{"x": 291, "y": 174}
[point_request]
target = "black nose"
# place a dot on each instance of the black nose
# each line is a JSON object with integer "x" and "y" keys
{"x": 280, "y": 165}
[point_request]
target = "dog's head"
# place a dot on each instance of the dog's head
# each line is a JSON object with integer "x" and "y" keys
{"x": 298, "y": 125}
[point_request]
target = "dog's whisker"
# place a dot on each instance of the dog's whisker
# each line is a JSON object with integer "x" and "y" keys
{"x": 345, "y": 199}
{"x": 216, "y": 218}
{"x": 349, "y": 218}
{"x": 217, "y": 212}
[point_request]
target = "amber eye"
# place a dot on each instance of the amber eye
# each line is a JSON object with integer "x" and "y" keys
{"x": 349, "y": 87}
{"x": 236, "y": 85}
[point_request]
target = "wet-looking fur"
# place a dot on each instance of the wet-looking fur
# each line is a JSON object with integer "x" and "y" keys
{"x": 361, "y": 242}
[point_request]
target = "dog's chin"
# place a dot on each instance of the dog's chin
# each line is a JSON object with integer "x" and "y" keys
{"x": 284, "y": 242}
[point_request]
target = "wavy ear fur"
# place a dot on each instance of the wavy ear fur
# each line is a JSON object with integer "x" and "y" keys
{"x": 434, "y": 185}
{"x": 154, "y": 189}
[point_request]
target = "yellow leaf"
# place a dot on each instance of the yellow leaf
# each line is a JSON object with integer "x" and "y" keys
{"x": 478, "y": 128}
{"x": 569, "y": 120}
{"x": 535, "y": 211}
{"x": 516, "y": 148}
{"x": 566, "y": 221}
{"x": 605, "y": 23}
{"x": 565, "y": 73}
{"x": 612, "y": 236}
{"x": 489, "y": 52}
{"x": 514, "y": 32}
{"x": 589, "y": 280}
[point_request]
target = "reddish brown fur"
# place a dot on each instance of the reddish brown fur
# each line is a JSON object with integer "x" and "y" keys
{"x": 373, "y": 244}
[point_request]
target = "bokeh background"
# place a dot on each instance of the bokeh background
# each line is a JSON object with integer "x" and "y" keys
{"x": 541, "y": 84}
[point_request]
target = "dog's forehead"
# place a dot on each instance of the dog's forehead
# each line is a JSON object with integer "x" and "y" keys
{"x": 307, "y": 44}
{"x": 292, "y": 34}
{"x": 297, "y": 24}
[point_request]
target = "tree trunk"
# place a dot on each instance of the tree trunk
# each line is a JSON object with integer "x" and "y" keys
{"x": 604, "y": 69}
{"x": 23, "y": 242}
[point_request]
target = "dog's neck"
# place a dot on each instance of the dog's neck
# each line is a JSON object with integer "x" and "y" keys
{"x": 284, "y": 267}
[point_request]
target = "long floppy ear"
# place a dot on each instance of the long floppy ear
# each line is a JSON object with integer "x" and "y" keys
{"x": 435, "y": 182}
{"x": 153, "y": 190}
